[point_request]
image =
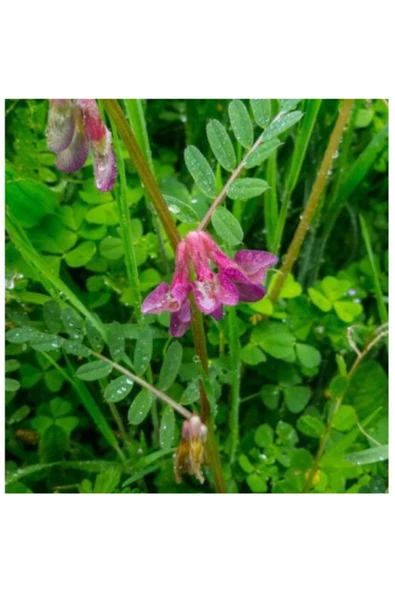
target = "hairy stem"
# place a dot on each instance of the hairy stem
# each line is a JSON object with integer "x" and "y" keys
{"x": 313, "y": 200}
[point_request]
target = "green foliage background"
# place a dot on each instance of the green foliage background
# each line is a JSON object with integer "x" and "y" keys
{"x": 76, "y": 425}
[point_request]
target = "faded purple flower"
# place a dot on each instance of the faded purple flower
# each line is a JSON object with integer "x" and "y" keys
{"x": 238, "y": 279}
{"x": 74, "y": 128}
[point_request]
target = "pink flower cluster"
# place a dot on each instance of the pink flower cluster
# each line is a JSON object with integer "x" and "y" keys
{"x": 238, "y": 279}
{"x": 74, "y": 128}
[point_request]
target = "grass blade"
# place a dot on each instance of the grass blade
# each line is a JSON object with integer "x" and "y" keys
{"x": 383, "y": 314}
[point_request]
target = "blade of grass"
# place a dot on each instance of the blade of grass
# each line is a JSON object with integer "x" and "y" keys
{"x": 126, "y": 230}
{"x": 302, "y": 141}
{"x": 383, "y": 314}
{"x": 53, "y": 284}
{"x": 270, "y": 201}
{"x": 135, "y": 113}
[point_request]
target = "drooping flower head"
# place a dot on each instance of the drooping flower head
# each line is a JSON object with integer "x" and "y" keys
{"x": 190, "y": 455}
{"x": 238, "y": 279}
{"x": 74, "y": 128}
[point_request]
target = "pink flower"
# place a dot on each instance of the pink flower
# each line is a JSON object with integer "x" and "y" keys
{"x": 74, "y": 128}
{"x": 238, "y": 279}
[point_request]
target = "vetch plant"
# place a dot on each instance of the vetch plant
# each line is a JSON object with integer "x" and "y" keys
{"x": 269, "y": 395}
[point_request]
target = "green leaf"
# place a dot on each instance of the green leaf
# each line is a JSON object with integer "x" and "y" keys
{"x": 181, "y": 210}
{"x": 106, "y": 214}
{"x": 28, "y": 200}
{"x": 20, "y": 414}
{"x": 143, "y": 351}
{"x": 256, "y": 483}
{"x": 200, "y": 170}
{"x": 118, "y": 389}
{"x": 245, "y": 189}
{"x": 241, "y": 123}
{"x": 368, "y": 388}
{"x": 12, "y": 365}
{"x": 11, "y": 385}
{"x": 368, "y": 456}
{"x": 334, "y": 289}
{"x": 191, "y": 393}
{"x": 53, "y": 444}
{"x": 53, "y": 237}
{"x": 170, "y": 365}
{"x": 112, "y": 248}
{"x": 345, "y": 418}
{"x": 167, "y": 427}
{"x": 296, "y": 397}
{"x": 280, "y": 124}
{"x": 252, "y": 355}
{"x": 72, "y": 322}
{"x": 310, "y": 426}
{"x": 107, "y": 481}
{"x": 116, "y": 341}
{"x": 338, "y": 386}
{"x": 21, "y": 334}
{"x": 307, "y": 355}
{"x": 264, "y": 436}
{"x": 271, "y": 396}
{"x": 347, "y": 311}
{"x": 288, "y": 104}
{"x": 140, "y": 407}
{"x": 319, "y": 300}
{"x": 221, "y": 145}
{"x": 262, "y": 110}
{"x": 52, "y": 316}
{"x": 227, "y": 227}
{"x": 94, "y": 370}
{"x": 262, "y": 153}
{"x": 275, "y": 339}
{"x": 79, "y": 256}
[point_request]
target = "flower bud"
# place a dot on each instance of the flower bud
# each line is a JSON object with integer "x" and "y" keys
{"x": 190, "y": 455}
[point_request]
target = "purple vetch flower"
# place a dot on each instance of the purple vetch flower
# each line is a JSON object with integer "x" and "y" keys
{"x": 74, "y": 128}
{"x": 238, "y": 279}
{"x": 173, "y": 298}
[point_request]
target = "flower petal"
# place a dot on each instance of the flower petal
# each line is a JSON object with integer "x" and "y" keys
{"x": 180, "y": 321}
{"x": 250, "y": 292}
{"x": 75, "y": 155}
{"x": 218, "y": 313}
{"x": 104, "y": 163}
{"x": 255, "y": 263}
{"x": 61, "y": 124}
{"x": 228, "y": 293}
{"x": 160, "y": 300}
{"x": 93, "y": 124}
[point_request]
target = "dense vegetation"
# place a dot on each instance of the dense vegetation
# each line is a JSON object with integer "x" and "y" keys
{"x": 294, "y": 386}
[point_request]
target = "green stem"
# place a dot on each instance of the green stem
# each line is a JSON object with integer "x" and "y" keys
{"x": 234, "y": 349}
{"x": 123, "y": 209}
{"x": 313, "y": 200}
{"x": 270, "y": 202}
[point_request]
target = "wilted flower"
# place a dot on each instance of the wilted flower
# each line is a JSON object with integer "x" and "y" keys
{"x": 74, "y": 128}
{"x": 238, "y": 279}
{"x": 190, "y": 455}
